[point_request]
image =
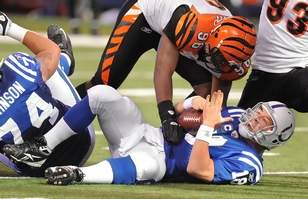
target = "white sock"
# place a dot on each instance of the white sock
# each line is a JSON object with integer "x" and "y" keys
{"x": 60, "y": 132}
{"x": 98, "y": 173}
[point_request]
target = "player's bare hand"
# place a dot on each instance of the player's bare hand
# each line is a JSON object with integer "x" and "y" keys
{"x": 212, "y": 110}
{"x": 198, "y": 102}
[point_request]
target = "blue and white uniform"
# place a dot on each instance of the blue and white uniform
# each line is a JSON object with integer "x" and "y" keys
{"x": 29, "y": 107}
{"x": 140, "y": 154}
{"x": 235, "y": 161}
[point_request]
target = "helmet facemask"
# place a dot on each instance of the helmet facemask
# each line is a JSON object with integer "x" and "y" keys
{"x": 270, "y": 124}
{"x": 221, "y": 64}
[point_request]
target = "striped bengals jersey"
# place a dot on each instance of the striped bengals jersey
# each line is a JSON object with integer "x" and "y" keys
{"x": 282, "y": 42}
{"x": 188, "y": 29}
{"x": 27, "y": 108}
{"x": 235, "y": 161}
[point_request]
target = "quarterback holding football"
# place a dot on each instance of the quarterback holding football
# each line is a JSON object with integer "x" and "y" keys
{"x": 227, "y": 147}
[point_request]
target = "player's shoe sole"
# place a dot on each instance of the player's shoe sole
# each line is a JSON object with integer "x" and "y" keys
{"x": 63, "y": 175}
{"x": 59, "y": 36}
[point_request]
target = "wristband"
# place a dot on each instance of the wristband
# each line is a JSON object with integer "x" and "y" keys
{"x": 17, "y": 32}
{"x": 204, "y": 133}
{"x": 187, "y": 103}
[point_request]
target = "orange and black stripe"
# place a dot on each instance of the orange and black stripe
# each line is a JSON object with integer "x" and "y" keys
{"x": 242, "y": 46}
{"x": 185, "y": 29}
{"x": 116, "y": 40}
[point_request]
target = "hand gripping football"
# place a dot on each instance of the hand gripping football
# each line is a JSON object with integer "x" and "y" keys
{"x": 190, "y": 119}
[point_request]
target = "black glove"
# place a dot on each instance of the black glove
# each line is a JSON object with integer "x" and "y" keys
{"x": 172, "y": 131}
{"x": 5, "y": 23}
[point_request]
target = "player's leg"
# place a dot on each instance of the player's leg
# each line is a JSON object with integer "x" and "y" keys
{"x": 259, "y": 87}
{"x": 294, "y": 89}
{"x": 119, "y": 118}
{"x": 73, "y": 151}
{"x": 144, "y": 164}
{"x": 131, "y": 37}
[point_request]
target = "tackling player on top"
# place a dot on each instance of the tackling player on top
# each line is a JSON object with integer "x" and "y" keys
{"x": 227, "y": 148}
{"x": 280, "y": 67}
{"x": 199, "y": 39}
{"x": 34, "y": 94}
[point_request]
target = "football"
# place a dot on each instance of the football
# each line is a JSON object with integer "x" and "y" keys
{"x": 190, "y": 119}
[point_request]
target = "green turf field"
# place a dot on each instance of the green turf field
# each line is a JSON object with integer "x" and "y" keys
{"x": 290, "y": 160}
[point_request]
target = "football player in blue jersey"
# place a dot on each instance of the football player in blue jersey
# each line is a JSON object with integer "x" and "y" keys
{"x": 227, "y": 147}
{"x": 35, "y": 92}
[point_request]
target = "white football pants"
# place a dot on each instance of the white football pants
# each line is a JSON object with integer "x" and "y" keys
{"x": 127, "y": 134}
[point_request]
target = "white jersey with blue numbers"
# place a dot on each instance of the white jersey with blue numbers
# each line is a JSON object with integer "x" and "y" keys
{"x": 27, "y": 108}
{"x": 235, "y": 161}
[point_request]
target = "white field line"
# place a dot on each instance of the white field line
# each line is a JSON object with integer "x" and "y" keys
{"x": 177, "y": 92}
{"x": 80, "y": 40}
{"x": 77, "y": 40}
{"x": 26, "y": 198}
{"x": 286, "y": 173}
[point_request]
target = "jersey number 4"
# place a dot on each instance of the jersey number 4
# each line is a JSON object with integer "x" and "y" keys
{"x": 298, "y": 25}
{"x": 39, "y": 110}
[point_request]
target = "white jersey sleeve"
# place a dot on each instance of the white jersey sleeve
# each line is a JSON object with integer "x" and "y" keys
{"x": 282, "y": 42}
{"x": 159, "y": 12}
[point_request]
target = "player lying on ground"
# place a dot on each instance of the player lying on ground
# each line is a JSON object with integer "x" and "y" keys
{"x": 227, "y": 148}
{"x": 35, "y": 92}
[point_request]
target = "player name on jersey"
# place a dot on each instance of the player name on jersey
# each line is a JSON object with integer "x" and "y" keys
{"x": 10, "y": 95}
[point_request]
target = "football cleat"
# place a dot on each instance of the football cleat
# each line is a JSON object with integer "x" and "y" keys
{"x": 33, "y": 153}
{"x": 63, "y": 175}
{"x": 58, "y": 35}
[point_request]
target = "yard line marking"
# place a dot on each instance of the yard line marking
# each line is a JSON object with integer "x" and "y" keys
{"x": 177, "y": 92}
{"x": 77, "y": 40}
{"x": 286, "y": 172}
{"x": 270, "y": 154}
{"x": 25, "y": 198}
{"x": 15, "y": 178}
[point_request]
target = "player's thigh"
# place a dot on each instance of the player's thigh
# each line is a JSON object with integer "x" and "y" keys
{"x": 119, "y": 118}
{"x": 131, "y": 37}
{"x": 259, "y": 87}
{"x": 149, "y": 161}
{"x": 295, "y": 93}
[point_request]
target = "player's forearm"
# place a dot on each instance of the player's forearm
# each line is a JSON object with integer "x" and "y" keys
{"x": 46, "y": 51}
{"x": 166, "y": 61}
{"x": 38, "y": 44}
{"x": 163, "y": 85}
{"x": 200, "y": 164}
